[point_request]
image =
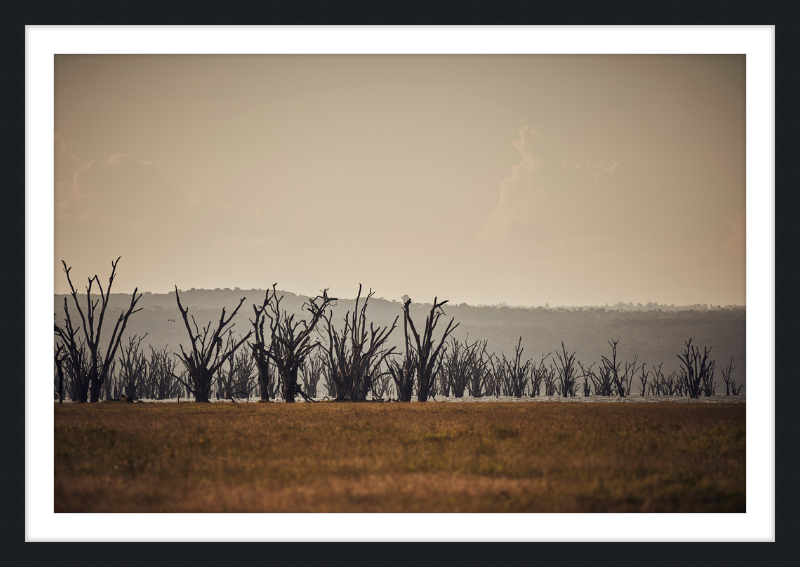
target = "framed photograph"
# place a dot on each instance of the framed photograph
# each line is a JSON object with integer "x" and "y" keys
{"x": 541, "y": 212}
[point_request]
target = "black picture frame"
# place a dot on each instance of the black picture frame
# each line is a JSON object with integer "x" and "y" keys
{"x": 785, "y": 16}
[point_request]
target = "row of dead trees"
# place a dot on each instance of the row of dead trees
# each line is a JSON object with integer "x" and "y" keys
{"x": 464, "y": 369}
{"x": 289, "y": 356}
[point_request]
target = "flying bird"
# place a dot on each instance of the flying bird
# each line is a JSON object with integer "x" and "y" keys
{"x": 173, "y": 320}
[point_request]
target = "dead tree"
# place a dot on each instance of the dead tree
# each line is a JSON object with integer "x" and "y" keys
{"x": 475, "y": 366}
{"x": 226, "y": 380}
{"x": 672, "y": 385}
{"x": 664, "y": 385}
{"x": 275, "y": 386}
{"x": 243, "y": 377}
{"x": 588, "y": 374}
{"x": 658, "y": 385}
{"x": 628, "y": 375}
{"x": 259, "y": 348}
{"x": 709, "y": 385}
{"x": 679, "y": 386}
{"x": 495, "y": 376}
{"x": 402, "y": 374}
{"x": 74, "y": 359}
{"x": 730, "y": 382}
{"x": 110, "y": 382}
{"x": 602, "y": 380}
{"x": 443, "y": 385}
{"x": 567, "y": 375}
{"x": 610, "y": 374}
{"x": 327, "y": 381}
{"x": 465, "y": 368}
{"x": 133, "y": 367}
{"x": 550, "y": 380}
{"x": 291, "y": 340}
{"x": 311, "y": 373}
{"x": 538, "y": 374}
{"x": 77, "y": 368}
{"x": 355, "y": 362}
{"x": 517, "y": 372}
{"x": 496, "y": 382}
{"x": 426, "y": 354}
{"x": 60, "y": 356}
{"x": 78, "y": 376}
{"x": 99, "y": 360}
{"x": 727, "y": 378}
{"x": 162, "y": 365}
{"x": 643, "y": 381}
{"x": 381, "y": 386}
{"x": 697, "y": 372}
{"x": 207, "y": 354}
{"x": 453, "y": 379}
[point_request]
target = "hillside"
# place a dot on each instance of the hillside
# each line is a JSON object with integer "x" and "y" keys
{"x": 654, "y": 335}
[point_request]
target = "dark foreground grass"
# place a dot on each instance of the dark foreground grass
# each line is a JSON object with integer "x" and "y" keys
{"x": 432, "y": 457}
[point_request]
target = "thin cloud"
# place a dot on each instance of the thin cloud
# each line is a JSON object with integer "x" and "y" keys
{"x": 546, "y": 199}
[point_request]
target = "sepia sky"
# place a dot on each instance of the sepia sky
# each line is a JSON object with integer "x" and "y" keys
{"x": 568, "y": 180}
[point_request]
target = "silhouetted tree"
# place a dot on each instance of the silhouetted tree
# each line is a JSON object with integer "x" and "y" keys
{"x": 207, "y": 354}
{"x": 730, "y": 381}
{"x": 426, "y": 354}
{"x": 311, "y": 373}
{"x": 99, "y": 361}
{"x": 588, "y": 374}
{"x": 381, "y": 386}
{"x": 77, "y": 370}
{"x": 610, "y": 380}
{"x": 726, "y": 377}
{"x": 663, "y": 385}
{"x": 627, "y": 376}
{"x": 110, "y": 382}
{"x": 697, "y": 372}
{"x": 643, "y": 381}
{"x": 245, "y": 375}
{"x": 291, "y": 340}
{"x": 566, "y": 372}
{"x": 355, "y": 356}
{"x": 259, "y": 347}
{"x": 550, "y": 379}
{"x": 161, "y": 382}
{"x": 467, "y": 367}
{"x": 539, "y": 373}
{"x": 402, "y": 374}
{"x": 517, "y": 372}
{"x": 60, "y": 356}
{"x": 133, "y": 367}
{"x": 235, "y": 380}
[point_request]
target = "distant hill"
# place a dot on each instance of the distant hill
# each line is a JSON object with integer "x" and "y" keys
{"x": 654, "y": 333}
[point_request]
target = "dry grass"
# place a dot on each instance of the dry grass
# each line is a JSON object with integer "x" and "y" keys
{"x": 433, "y": 457}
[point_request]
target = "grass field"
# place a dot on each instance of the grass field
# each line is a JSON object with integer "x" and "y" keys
{"x": 381, "y": 457}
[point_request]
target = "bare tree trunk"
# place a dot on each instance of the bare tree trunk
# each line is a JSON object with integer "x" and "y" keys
{"x": 262, "y": 365}
{"x": 290, "y": 343}
{"x": 289, "y": 386}
{"x": 697, "y": 372}
{"x": 59, "y": 359}
{"x": 99, "y": 362}
{"x": 426, "y": 355}
{"x": 353, "y": 361}
{"x": 207, "y": 354}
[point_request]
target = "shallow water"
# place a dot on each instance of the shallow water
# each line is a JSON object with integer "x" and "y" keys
{"x": 634, "y": 399}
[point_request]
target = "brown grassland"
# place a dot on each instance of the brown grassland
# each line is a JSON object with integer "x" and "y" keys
{"x": 391, "y": 457}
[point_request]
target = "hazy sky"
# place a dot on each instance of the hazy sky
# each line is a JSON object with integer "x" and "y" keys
{"x": 568, "y": 180}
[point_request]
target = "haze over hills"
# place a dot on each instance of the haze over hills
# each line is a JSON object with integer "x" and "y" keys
{"x": 655, "y": 333}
